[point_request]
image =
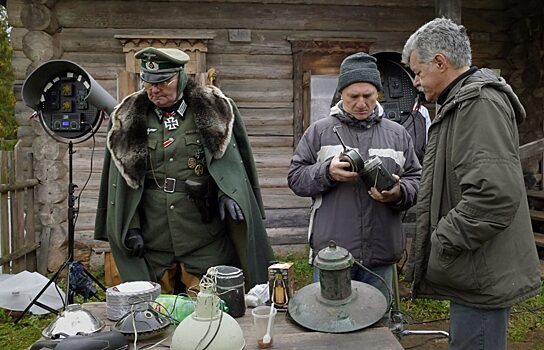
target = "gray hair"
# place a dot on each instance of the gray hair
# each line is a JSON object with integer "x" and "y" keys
{"x": 441, "y": 35}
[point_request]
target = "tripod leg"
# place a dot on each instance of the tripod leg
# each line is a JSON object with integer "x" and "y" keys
{"x": 397, "y": 319}
{"x": 98, "y": 283}
{"x": 35, "y": 302}
{"x": 396, "y": 287}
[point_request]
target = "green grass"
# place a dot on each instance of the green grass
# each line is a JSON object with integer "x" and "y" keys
{"x": 23, "y": 334}
{"x": 303, "y": 270}
{"x": 526, "y": 317}
{"x": 29, "y": 329}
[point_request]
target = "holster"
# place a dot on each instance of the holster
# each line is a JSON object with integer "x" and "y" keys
{"x": 203, "y": 191}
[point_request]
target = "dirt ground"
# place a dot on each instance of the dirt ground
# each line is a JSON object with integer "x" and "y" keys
{"x": 437, "y": 342}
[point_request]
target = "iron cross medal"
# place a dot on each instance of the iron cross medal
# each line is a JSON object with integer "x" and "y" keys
{"x": 171, "y": 123}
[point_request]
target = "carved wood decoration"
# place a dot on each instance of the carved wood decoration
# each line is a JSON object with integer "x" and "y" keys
{"x": 195, "y": 46}
{"x": 317, "y": 56}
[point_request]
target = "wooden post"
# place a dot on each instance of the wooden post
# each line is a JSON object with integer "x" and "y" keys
{"x": 18, "y": 213}
{"x": 4, "y": 212}
{"x": 298, "y": 103}
{"x": 449, "y": 8}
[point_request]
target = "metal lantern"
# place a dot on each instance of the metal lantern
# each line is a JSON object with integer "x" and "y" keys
{"x": 336, "y": 304}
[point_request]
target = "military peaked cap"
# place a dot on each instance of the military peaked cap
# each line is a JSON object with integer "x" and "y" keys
{"x": 160, "y": 64}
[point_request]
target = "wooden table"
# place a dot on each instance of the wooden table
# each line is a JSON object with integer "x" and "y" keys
{"x": 288, "y": 335}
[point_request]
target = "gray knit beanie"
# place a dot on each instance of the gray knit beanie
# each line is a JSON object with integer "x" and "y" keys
{"x": 359, "y": 68}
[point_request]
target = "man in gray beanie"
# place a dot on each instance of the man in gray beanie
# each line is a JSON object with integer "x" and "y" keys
{"x": 359, "y": 67}
{"x": 358, "y": 217}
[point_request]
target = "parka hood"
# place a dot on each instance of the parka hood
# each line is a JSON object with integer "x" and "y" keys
{"x": 486, "y": 77}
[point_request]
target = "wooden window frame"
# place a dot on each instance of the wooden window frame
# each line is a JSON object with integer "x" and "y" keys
{"x": 317, "y": 56}
{"x": 196, "y": 46}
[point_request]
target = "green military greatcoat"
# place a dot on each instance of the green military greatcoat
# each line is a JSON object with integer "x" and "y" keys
{"x": 141, "y": 150}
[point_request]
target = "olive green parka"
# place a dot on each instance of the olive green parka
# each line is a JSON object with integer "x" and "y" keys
{"x": 229, "y": 160}
{"x": 474, "y": 243}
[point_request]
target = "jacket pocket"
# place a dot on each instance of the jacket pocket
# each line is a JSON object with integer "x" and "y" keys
{"x": 455, "y": 271}
{"x": 152, "y": 142}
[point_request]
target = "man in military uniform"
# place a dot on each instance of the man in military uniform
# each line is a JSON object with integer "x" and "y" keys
{"x": 179, "y": 190}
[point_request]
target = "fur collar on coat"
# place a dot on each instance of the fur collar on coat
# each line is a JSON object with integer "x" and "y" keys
{"x": 127, "y": 137}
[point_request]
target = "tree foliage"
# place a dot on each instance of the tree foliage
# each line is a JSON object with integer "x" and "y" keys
{"x": 8, "y": 126}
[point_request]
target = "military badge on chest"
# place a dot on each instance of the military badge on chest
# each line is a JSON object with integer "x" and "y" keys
{"x": 171, "y": 123}
{"x": 197, "y": 162}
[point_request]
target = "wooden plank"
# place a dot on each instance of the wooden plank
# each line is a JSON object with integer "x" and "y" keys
{"x": 268, "y": 122}
{"x": 27, "y": 249}
{"x": 100, "y": 39}
{"x": 481, "y": 22}
{"x": 537, "y": 215}
{"x": 539, "y": 239}
{"x": 288, "y": 236}
{"x": 535, "y": 194}
{"x": 292, "y": 217}
{"x": 19, "y": 185}
{"x": 478, "y": 4}
{"x": 531, "y": 149}
{"x": 266, "y": 105}
{"x": 273, "y": 157}
{"x": 93, "y": 62}
{"x": 30, "y": 234}
{"x": 264, "y": 90}
{"x": 84, "y": 14}
{"x": 387, "y": 3}
{"x": 18, "y": 214}
{"x": 254, "y": 66}
{"x": 267, "y": 141}
{"x": 278, "y": 198}
{"x": 298, "y": 112}
{"x": 287, "y": 334}
{"x": 272, "y": 180}
{"x": 4, "y": 211}
{"x": 273, "y": 41}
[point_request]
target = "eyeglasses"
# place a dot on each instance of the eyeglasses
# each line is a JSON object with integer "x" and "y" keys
{"x": 162, "y": 85}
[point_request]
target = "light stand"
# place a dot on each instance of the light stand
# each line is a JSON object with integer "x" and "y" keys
{"x": 69, "y": 262}
{"x": 70, "y": 106}
{"x": 397, "y": 319}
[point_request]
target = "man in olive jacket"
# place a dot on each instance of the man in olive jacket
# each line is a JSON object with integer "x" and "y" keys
{"x": 474, "y": 244}
{"x": 179, "y": 190}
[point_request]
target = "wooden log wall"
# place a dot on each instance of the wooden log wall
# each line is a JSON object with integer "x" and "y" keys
{"x": 526, "y": 56}
{"x": 253, "y": 58}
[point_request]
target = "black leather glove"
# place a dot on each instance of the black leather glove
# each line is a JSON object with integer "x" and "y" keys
{"x": 134, "y": 241}
{"x": 227, "y": 204}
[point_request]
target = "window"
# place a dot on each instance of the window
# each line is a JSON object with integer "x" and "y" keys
{"x": 319, "y": 58}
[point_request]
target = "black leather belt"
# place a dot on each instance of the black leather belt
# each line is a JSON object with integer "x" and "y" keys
{"x": 169, "y": 185}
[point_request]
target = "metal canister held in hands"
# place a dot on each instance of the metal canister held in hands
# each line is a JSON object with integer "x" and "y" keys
{"x": 350, "y": 155}
{"x": 376, "y": 175}
{"x": 372, "y": 170}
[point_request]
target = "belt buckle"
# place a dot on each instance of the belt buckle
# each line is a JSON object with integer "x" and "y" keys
{"x": 169, "y": 185}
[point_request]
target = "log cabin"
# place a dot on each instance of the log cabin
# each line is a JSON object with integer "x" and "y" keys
{"x": 265, "y": 54}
